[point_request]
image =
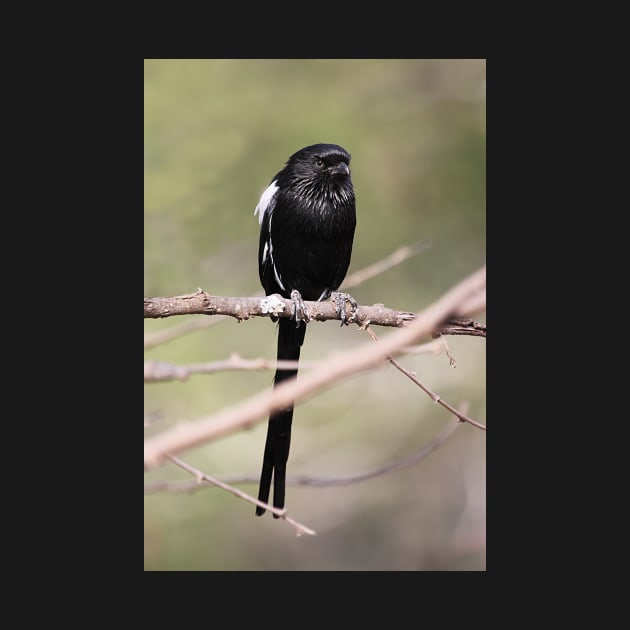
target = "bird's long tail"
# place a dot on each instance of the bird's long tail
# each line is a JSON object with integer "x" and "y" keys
{"x": 290, "y": 339}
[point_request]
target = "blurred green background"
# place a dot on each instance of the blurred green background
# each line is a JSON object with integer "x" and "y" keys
{"x": 215, "y": 132}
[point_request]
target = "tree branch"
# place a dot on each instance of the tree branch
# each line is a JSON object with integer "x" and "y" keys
{"x": 159, "y": 371}
{"x": 395, "y": 258}
{"x": 336, "y": 367}
{"x": 201, "y": 477}
{"x": 377, "y": 268}
{"x": 432, "y": 395}
{"x": 243, "y": 308}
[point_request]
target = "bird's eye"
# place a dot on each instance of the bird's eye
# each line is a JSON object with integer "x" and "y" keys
{"x": 319, "y": 162}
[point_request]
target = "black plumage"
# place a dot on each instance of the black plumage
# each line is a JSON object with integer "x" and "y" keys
{"x": 307, "y": 218}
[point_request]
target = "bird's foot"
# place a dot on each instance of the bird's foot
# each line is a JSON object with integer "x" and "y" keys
{"x": 299, "y": 311}
{"x": 340, "y": 300}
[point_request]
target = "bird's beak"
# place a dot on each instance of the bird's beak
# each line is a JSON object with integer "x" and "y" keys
{"x": 341, "y": 169}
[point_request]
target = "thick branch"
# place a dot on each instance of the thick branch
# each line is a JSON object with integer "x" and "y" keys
{"x": 354, "y": 279}
{"x": 187, "y": 435}
{"x": 242, "y": 308}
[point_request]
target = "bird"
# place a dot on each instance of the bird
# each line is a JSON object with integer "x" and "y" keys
{"x": 307, "y": 222}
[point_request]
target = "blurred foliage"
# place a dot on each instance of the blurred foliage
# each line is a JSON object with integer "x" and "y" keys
{"x": 216, "y": 132}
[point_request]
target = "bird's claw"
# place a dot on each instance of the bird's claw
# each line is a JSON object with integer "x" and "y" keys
{"x": 340, "y": 300}
{"x": 299, "y": 311}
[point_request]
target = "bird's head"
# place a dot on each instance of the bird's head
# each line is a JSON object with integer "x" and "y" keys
{"x": 321, "y": 170}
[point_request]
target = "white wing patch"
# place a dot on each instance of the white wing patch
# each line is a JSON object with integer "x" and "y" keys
{"x": 273, "y": 264}
{"x": 266, "y": 204}
{"x": 265, "y": 200}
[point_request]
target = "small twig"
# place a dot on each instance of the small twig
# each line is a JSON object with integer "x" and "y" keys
{"x": 201, "y": 476}
{"x": 433, "y": 396}
{"x": 451, "y": 358}
{"x": 437, "y": 346}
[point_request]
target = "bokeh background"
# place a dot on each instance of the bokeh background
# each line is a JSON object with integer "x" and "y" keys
{"x": 215, "y": 132}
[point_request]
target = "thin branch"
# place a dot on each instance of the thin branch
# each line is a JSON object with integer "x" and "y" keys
{"x": 433, "y": 396}
{"x": 403, "y": 462}
{"x": 160, "y": 371}
{"x": 395, "y": 258}
{"x": 201, "y": 477}
{"x": 331, "y": 371}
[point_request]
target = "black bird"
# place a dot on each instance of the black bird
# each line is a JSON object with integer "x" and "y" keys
{"x": 307, "y": 218}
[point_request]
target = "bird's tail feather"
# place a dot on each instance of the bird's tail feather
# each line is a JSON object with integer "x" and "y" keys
{"x": 290, "y": 340}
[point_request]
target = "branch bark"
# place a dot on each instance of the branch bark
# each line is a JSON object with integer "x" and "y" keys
{"x": 243, "y": 308}
{"x": 395, "y": 258}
